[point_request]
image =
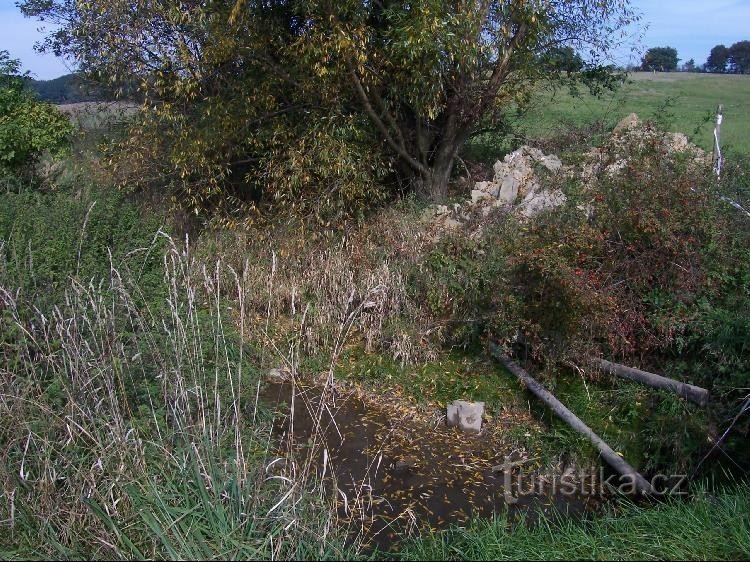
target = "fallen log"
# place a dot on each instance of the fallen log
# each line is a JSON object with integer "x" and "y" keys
{"x": 693, "y": 393}
{"x": 641, "y": 485}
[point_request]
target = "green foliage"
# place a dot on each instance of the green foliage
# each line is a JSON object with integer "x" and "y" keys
{"x": 718, "y": 59}
{"x": 711, "y": 525}
{"x": 739, "y": 57}
{"x": 465, "y": 283}
{"x": 331, "y": 106}
{"x": 690, "y": 66}
{"x": 200, "y": 513}
{"x": 120, "y": 367}
{"x": 658, "y": 270}
{"x": 564, "y": 58}
{"x": 663, "y": 59}
{"x": 502, "y": 285}
{"x": 27, "y": 127}
{"x": 734, "y": 59}
{"x": 81, "y": 232}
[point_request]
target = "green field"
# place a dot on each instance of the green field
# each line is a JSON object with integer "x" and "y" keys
{"x": 682, "y": 101}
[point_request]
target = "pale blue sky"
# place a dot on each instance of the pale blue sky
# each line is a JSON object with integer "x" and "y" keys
{"x": 693, "y": 27}
{"x": 690, "y": 26}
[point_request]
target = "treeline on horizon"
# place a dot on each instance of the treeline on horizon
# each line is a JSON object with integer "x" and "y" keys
{"x": 75, "y": 88}
{"x": 721, "y": 60}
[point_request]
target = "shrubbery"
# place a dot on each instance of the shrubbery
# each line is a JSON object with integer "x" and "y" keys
{"x": 28, "y": 127}
{"x": 648, "y": 266}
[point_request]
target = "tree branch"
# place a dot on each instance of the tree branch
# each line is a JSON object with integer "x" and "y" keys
{"x": 499, "y": 74}
{"x": 378, "y": 122}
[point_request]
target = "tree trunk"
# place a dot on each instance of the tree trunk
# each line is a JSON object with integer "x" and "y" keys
{"x": 641, "y": 485}
{"x": 437, "y": 186}
{"x": 441, "y": 166}
{"x": 688, "y": 391}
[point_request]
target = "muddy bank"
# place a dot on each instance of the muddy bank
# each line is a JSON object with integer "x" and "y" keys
{"x": 397, "y": 475}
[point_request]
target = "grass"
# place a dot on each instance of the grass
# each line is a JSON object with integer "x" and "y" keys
{"x": 129, "y": 366}
{"x": 131, "y": 427}
{"x": 453, "y": 375}
{"x": 708, "y": 527}
{"x": 48, "y": 236}
{"x": 614, "y": 409}
{"x": 685, "y": 102}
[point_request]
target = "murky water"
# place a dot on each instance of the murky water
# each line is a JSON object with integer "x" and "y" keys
{"x": 404, "y": 475}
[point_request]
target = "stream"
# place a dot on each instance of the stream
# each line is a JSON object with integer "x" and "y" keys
{"x": 397, "y": 475}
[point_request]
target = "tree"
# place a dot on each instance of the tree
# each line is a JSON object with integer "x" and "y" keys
{"x": 718, "y": 59}
{"x": 407, "y": 80}
{"x": 689, "y": 66}
{"x": 69, "y": 88}
{"x": 27, "y": 127}
{"x": 563, "y": 58}
{"x": 663, "y": 59}
{"x": 739, "y": 57}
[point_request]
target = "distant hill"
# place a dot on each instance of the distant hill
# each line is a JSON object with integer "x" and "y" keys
{"x": 70, "y": 88}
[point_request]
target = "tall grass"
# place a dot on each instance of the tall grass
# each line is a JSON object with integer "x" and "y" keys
{"x": 710, "y": 527}
{"x": 301, "y": 290}
{"x": 131, "y": 426}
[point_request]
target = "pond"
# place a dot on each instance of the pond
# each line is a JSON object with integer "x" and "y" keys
{"x": 396, "y": 475}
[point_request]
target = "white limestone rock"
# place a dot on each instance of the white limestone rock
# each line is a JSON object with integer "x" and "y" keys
{"x": 467, "y": 416}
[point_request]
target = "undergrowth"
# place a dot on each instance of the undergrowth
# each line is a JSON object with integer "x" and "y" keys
{"x": 130, "y": 362}
{"x": 131, "y": 424}
{"x": 710, "y": 526}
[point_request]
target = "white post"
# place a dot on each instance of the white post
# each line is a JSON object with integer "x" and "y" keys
{"x": 718, "y": 158}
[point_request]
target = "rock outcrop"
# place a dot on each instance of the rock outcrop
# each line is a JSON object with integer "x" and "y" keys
{"x": 525, "y": 181}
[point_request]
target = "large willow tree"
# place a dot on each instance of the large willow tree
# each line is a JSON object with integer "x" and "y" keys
{"x": 324, "y": 102}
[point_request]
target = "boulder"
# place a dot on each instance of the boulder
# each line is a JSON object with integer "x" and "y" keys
{"x": 478, "y": 195}
{"x": 488, "y": 187}
{"x": 630, "y": 122}
{"x": 509, "y": 189}
{"x": 528, "y": 187}
{"x": 541, "y": 200}
{"x": 677, "y": 142}
{"x": 551, "y": 162}
{"x": 467, "y": 416}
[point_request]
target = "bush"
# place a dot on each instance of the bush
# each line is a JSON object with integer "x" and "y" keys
{"x": 645, "y": 265}
{"x": 81, "y": 232}
{"x": 28, "y": 128}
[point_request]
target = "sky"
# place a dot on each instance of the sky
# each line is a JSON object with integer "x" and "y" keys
{"x": 692, "y": 27}
{"x": 18, "y": 35}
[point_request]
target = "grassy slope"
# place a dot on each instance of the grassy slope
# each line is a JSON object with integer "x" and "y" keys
{"x": 695, "y": 97}
{"x": 717, "y": 527}
{"x": 713, "y": 527}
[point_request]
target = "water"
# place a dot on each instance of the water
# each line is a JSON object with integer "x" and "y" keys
{"x": 399, "y": 476}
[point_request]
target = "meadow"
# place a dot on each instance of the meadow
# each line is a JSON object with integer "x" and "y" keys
{"x": 133, "y": 359}
{"x": 682, "y": 102}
